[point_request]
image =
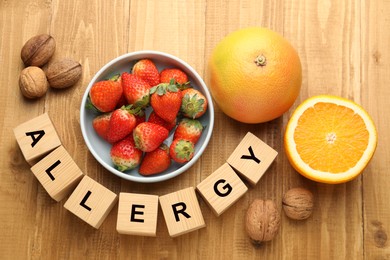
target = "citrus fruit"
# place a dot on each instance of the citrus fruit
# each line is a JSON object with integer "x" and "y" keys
{"x": 254, "y": 75}
{"x": 330, "y": 139}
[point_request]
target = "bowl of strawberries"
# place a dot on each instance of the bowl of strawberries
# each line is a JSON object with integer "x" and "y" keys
{"x": 147, "y": 116}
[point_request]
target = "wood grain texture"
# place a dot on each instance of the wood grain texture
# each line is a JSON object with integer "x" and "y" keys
{"x": 343, "y": 46}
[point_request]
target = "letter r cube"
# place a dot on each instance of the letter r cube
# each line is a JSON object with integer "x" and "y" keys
{"x": 182, "y": 212}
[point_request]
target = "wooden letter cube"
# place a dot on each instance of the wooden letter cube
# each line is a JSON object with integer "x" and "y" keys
{"x": 221, "y": 189}
{"x": 137, "y": 214}
{"x": 182, "y": 212}
{"x": 252, "y": 157}
{"x": 91, "y": 202}
{"x": 58, "y": 173}
{"x": 36, "y": 138}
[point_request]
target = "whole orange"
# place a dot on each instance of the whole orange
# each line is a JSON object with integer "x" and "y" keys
{"x": 254, "y": 75}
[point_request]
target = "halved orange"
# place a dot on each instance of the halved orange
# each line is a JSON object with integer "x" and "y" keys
{"x": 330, "y": 139}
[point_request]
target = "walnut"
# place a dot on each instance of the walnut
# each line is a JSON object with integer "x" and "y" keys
{"x": 38, "y": 50}
{"x": 33, "y": 82}
{"x": 63, "y": 73}
{"x": 262, "y": 221}
{"x": 298, "y": 203}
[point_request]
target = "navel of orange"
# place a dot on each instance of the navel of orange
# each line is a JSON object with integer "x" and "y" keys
{"x": 330, "y": 139}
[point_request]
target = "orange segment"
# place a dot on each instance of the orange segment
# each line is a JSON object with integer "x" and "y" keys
{"x": 330, "y": 139}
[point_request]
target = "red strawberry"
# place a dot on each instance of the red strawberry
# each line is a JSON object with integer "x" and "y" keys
{"x": 181, "y": 151}
{"x": 188, "y": 129}
{"x": 140, "y": 117}
{"x": 149, "y": 136}
{"x": 155, "y": 161}
{"x": 101, "y": 123}
{"x": 194, "y": 103}
{"x": 154, "y": 118}
{"x": 136, "y": 90}
{"x": 176, "y": 74}
{"x": 147, "y": 70}
{"x": 166, "y": 100}
{"x": 125, "y": 155}
{"x": 122, "y": 102}
{"x": 121, "y": 124}
{"x": 104, "y": 95}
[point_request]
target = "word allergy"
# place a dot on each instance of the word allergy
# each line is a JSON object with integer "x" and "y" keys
{"x": 137, "y": 213}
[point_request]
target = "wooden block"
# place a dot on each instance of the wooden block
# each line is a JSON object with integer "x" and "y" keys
{"x": 221, "y": 189}
{"x": 58, "y": 173}
{"x": 137, "y": 214}
{"x": 36, "y": 138}
{"x": 91, "y": 202}
{"x": 181, "y": 212}
{"x": 252, "y": 157}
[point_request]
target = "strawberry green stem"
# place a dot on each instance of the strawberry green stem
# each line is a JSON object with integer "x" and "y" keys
{"x": 115, "y": 77}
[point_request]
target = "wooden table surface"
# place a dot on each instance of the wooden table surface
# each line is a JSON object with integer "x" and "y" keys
{"x": 344, "y": 49}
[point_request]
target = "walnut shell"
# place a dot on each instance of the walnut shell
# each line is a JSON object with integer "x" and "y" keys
{"x": 298, "y": 203}
{"x": 38, "y": 50}
{"x": 33, "y": 82}
{"x": 262, "y": 220}
{"x": 63, "y": 73}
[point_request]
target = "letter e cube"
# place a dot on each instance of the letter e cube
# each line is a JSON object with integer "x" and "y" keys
{"x": 137, "y": 214}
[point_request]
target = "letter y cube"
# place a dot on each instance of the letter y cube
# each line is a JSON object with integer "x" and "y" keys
{"x": 252, "y": 157}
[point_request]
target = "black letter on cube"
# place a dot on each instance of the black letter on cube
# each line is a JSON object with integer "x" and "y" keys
{"x": 40, "y": 134}
{"x": 226, "y": 187}
{"x": 251, "y": 157}
{"x": 82, "y": 203}
{"x": 48, "y": 170}
{"x": 180, "y": 211}
{"x": 134, "y": 212}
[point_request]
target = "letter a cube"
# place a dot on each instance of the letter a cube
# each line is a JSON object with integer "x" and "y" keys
{"x": 252, "y": 157}
{"x": 36, "y": 138}
{"x": 222, "y": 188}
{"x": 182, "y": 212}
{"x": 58, "y": 173}
{"x": 137, "y": 214}
{"x": 91, "y": 201}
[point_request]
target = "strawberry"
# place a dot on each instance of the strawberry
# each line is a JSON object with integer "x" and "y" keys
{"x": 140, "y": 116}
{"x": 146, "y": 70}
{"x": 188, "y": 129}
{"x": 136, "y": 90}
{"x": 154, "y": 118}
{"x": 105, "y": 95}
{"x": 155, "y": 161}
{"x": 181, "y": 151}
{"x": 166, "y": 100}
{"x": 194, "y": 103}
{"x": 100, "y": 124}
{"x": 166, "y": 75}
{"x": 125, "y": 155}
{"x": 148, "y": 136}
{"x": 122, "y": 102}
{"x": 121, "y": 124}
